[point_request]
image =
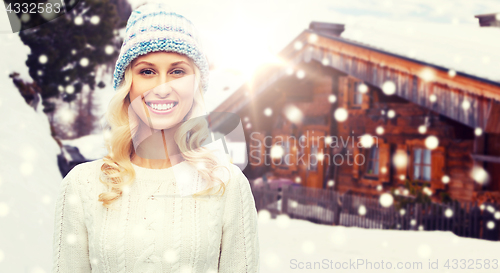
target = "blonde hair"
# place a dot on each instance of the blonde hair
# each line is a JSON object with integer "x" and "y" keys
{"x": 117, "y": 170}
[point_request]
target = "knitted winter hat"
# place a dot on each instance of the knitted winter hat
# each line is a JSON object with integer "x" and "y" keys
{"x": 151, "y": 28}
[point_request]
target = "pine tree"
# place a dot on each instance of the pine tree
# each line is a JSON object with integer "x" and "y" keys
{"x": 84, "y": 120}
{"x": 66, "y": 50}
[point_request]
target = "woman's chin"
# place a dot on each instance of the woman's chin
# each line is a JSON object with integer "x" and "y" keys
{"x": 160, "y": 123}
{"x": 164, "y": 126}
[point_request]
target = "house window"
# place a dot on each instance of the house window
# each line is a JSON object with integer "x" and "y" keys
{"x": 357, "y": 99}
{"x": 313, "y": 162}
{"x": 372, "y": 161}
{"x": 422, "y": 164}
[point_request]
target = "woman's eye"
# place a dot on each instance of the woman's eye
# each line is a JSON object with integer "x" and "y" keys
{"x": 143, "y": 72}
{"x": 178, "y": 72}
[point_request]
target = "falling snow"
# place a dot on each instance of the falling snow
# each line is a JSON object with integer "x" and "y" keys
{"x": 268, "y": 111}
{"x": 431, "y": 142}
{"x": 340, "y": 114}
{"x": 84, "y": 62}
{"x": 78, "y": 20}
{"x": 367, "y": 141}
{"x": 391, "y": 113}
{"x": 43, "y": 59}
{"x": 386, "y": 200}
{"x": 389, "y": 88}
{"x": 300, "y": 74}
{"x": 95, "y": 20}
{"x": 293, "y": 113}
{"x": 479, "y": 175}
{"x": 109, "y": 49}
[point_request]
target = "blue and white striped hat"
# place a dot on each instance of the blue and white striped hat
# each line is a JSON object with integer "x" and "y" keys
{"x": 152, "y": 27}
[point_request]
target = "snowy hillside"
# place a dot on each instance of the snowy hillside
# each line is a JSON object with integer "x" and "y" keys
{"x": 29, "y": 175}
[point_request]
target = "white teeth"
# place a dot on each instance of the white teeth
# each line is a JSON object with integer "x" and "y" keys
{"x": 161, "y": 106}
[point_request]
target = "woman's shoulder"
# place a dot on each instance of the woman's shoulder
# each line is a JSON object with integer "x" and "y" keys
{"x": 85, "y": 173}
{"x": 238, "y": 190}
{"x": 237, "y": 176}
{"x": 87, "y": 167}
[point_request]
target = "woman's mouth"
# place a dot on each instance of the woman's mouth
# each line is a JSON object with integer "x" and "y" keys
{"x": 161, "y": 108}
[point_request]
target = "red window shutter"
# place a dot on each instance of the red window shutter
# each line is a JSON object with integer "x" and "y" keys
{"x": 365, "y": 103}
{"x": 384, "y": 161}
{"x": 437, "y": 168}
{"x": 343, "y": 92}
{"x": 356, "y": 157}
{"x": 293, "y": 155}
{"x": 401, "y": 160}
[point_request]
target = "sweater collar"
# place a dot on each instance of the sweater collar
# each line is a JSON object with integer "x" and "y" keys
{"x": 148, "y": 174}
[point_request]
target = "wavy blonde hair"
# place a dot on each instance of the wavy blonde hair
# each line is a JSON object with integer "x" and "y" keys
{"x": 117, "y": 170}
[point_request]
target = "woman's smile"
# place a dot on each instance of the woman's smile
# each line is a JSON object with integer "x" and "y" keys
{"x": 161, "y": 107}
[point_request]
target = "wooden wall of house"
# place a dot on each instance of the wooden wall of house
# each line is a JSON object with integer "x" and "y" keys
{"x": 315, "y": 120}
{"x": 310, "y": 96}
{"x": 492, "y": 189}
{"x": 401, "y": 135}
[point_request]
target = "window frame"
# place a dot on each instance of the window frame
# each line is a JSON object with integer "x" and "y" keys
{"x": 421, "y": 164}
{"x": 357, "y": 95}
{"x": 369, "y": 160}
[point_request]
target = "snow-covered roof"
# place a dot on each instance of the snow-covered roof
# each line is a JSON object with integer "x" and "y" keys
{"x": 470, "y": 49}
{"x": 466, "y": 48}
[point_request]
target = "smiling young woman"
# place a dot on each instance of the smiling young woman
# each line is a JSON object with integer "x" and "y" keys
{"x": 129, "y": 212}
{"x": 164, "y": 81}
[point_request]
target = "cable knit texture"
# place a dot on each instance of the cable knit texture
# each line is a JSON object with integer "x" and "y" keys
{"x": 167, "y": 233}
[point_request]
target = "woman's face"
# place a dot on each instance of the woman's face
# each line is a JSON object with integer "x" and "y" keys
{"x": 163, "y": 88}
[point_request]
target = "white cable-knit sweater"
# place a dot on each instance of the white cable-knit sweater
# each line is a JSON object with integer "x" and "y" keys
{"x": 169, "y": 233}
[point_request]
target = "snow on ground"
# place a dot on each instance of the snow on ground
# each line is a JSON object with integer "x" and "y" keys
{"x": 91, "y": 146}
{"x": 287, "y": 245}
{"x": 29, "y": 175}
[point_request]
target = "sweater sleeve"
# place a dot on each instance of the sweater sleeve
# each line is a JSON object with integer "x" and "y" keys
{"x": 70, "y": 242}
{"x": 240, "y": 241}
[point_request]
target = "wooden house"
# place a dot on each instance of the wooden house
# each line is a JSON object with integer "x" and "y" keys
{"x": 350, "y": 117}
{"x": 489, "y": 20}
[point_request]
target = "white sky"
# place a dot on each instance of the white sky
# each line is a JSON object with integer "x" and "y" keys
{"x": 241, "y": 35}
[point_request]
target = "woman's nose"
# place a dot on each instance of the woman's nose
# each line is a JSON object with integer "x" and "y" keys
{"x": 163, "y": 89}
